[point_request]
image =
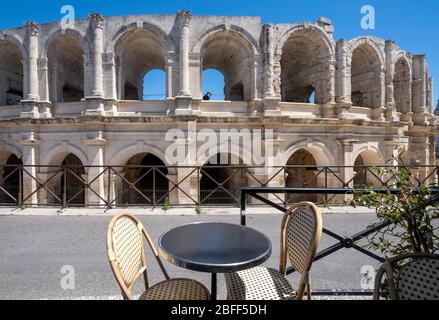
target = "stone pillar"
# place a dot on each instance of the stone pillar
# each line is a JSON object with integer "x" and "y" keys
{"x": 96, "y": 147}
{"x": 271, "y": 97}
{"x": 97, "y": 26}
{"x": 109, "y": 69}
{"x": 173, "y": 190}
{"x": 32, "y": 37}
{"x": 30, "y": 68}
{"x": 183, "y": 102}
{"x": 30, "y": 151}
{"x": 392, "y": 147}
{"x": 95, "y": 106}
{"x": 419, "y": 90}
{"x": 184, "y": 19}
{"x": 390, "y": 110}
{"x": 342, "y": 82}
{"x": 347, "y": 172}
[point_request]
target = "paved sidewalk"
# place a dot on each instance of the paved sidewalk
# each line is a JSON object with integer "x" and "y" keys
{"x": 183, "y": 211}
{"x": 34, "y": 249}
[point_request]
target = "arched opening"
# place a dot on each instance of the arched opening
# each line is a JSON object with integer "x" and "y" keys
{"x": 230, "y": 54}
{"x": 154, "y": 85}
{"x": 220, "y": 182}
{"x": 72, "y": 189}
{"x": 364, "y": 173}
{"x": 11, "y": 74}
{"x": 365, "y": 77}
{"x": 303, "y": 72}
{"x": 402, "y": 86}
{"x": 301, "y": 172}
{"x": 213, "y": 85}
{"x": 147, "y": 183}
{"x": 10, "y": 180}
{"x": 66, "y": 69}
{"x": 138, "y": 52}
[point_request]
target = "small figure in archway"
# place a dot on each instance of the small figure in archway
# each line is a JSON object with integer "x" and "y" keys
{"x": 207, "y": 96}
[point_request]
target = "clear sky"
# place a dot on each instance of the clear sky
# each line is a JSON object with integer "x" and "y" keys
{"x": 413, "y": 24}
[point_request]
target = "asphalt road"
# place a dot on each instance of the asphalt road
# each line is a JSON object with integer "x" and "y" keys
{"x": 33, "y": 250}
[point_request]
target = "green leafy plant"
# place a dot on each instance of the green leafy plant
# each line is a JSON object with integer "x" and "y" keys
{"x": 166, "y": 205}
{"x": 23, "y": 207}
{"x": 198, "y": 210}
{"x": 408, "y": 213}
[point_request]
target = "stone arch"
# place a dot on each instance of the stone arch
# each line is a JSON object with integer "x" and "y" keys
{"x": 372, "y": 153}
{"x": 233, "y": 53}
{"x": 216, "y": 176}
{"x": 56, "y": 155}
{"x": 74, "y": 33}
{"x": 244, "y": 155}
{"x": 111, "y": 45}
{"x": 123, "y": 155}
{"x": 306, "y": 57}
{"x": 366, "y": 61}
{"x": 320, "y": 152}
{"x": 402, "y": 82}
{"x": 9, "y": 176}
{"x": 13, "y": 65}
{"x": 145, "y": 180}
{"x": 68, "y": 52}
{"x": 366, "y": 157}
{"x": 138, "y": 50}
{"x": 7, "y": 150}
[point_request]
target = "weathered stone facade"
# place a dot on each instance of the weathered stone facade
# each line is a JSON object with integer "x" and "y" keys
{"x": 79, "y": 91}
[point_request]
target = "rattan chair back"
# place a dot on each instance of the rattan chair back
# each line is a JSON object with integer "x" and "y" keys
{"x": 125, "y": 247}
{"x": 417, "y": 279}
{"x": 300, "y": 237}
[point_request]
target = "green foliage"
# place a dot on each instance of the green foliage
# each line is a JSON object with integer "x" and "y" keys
{"x": 23, "y": 207}
{"x": 410, "y": 217}
{"x": 198, "y": 210}
{"x": 166, "y": 205}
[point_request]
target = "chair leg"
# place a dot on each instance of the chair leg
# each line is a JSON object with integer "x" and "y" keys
{"x": 308, "y": 291}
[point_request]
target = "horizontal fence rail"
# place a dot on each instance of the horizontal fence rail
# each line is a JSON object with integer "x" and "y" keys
{"x": 342, "y": 242}
{"x": 171, "y": 186}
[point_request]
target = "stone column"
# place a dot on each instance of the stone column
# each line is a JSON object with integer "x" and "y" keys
{"x": 389, "y": 89}
{"x": 419, "y": 89}
{"x": 43, "y": 70}
{"x": 183, "y": 102}
{"x": 96, "y": 147}
{"x": 271, "y": 97}
{"x": 342, "y": 80}
{"x": 94, "y": 102}
{"x": 97, "y": 25}
{"x": 30, "y": 68}
{"x": 392, "y": 151}
{"x": 33, "y": 36}
{"x": 347, "y": 172}
{"x": 30, "y": 151}
{"x": 184, "y": 19}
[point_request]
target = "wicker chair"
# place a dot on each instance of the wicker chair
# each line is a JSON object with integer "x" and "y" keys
{"x": 126, "y": 254}
{"x": 300, "y": 236}
{"x": 418, "y": 279}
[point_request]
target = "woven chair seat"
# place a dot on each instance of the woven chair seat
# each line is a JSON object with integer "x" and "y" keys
{"x": 419, "y": 280}
{"x": 259, "y": 284}
{"x": 177, "y": 289}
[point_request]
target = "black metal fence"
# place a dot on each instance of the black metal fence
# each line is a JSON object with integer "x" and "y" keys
{"x": 342, "y": 242}
{"x": 156, "y": 186}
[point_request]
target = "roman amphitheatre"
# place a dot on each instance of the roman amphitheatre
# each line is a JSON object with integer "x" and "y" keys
{"x": 74, "y": 97}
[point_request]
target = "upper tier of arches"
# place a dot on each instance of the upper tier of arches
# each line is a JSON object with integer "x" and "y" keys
{"x": 300, "y": 63}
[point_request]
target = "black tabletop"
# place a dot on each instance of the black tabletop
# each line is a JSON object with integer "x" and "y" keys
{"x": 215, "y": 247}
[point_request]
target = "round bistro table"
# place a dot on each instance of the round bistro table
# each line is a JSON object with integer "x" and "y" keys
{"x": 215, "y": 248}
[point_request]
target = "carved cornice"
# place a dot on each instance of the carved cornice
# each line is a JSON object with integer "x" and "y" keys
{"x": 184, "y": 17}
{"x": 32, "y": 28}
{"x": 97, "y": 20}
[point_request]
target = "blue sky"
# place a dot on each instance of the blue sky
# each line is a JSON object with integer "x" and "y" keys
{"x": 413, "y": 24}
